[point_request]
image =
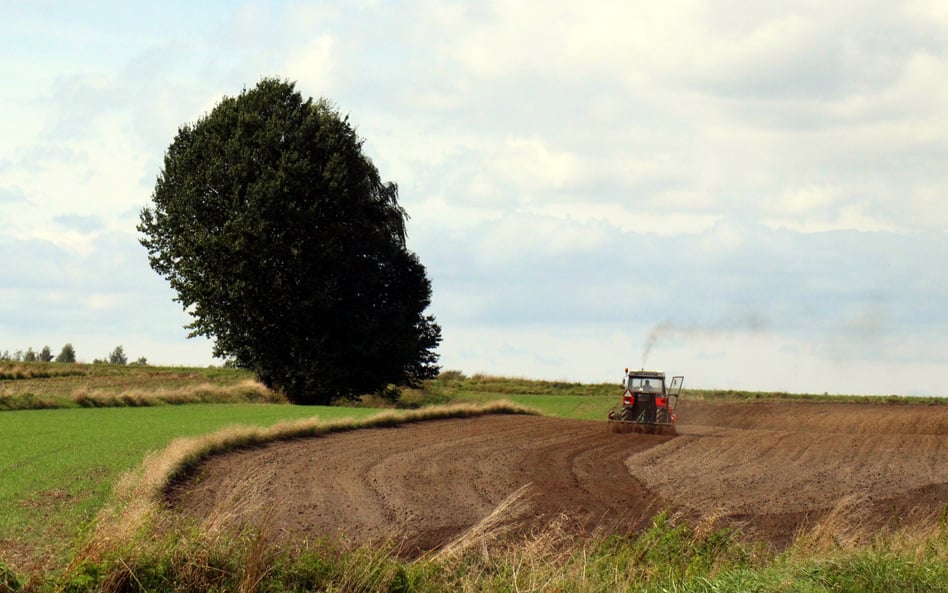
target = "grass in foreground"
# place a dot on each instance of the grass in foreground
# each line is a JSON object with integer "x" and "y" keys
{"x": 667, "y": 557}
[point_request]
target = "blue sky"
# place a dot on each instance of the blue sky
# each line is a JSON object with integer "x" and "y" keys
{"x": 751, "y": 194}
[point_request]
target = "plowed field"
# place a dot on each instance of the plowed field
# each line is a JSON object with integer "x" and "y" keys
{"x": 775, "y": 469}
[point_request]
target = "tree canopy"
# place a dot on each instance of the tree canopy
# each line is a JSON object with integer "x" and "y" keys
{"x": 287, "y": 249}
{"x": 117, "y": 356}
{"x": 67, "y": 354}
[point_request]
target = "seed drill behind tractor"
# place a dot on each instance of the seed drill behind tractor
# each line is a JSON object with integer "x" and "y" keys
{"x": 648, "y": 404}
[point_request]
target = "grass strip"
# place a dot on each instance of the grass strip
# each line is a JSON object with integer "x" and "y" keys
{"x": 43, "y": 385}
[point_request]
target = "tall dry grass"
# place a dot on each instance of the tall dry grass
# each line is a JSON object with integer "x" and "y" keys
{"x": 511, "y": 513}
{"x": 15, "y": 371}
{"x": 849, "y": 526}
{"x": 248, "y": 390}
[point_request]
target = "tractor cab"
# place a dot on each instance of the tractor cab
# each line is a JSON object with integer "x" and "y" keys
{"x": 648, "y": 402}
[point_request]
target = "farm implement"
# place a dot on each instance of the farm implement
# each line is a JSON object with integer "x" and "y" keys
{"x": 648, "y": 404}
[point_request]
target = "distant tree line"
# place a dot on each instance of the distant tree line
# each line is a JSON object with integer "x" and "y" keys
{"x": 67, "y": 354}
{"x": 118, "y": 356}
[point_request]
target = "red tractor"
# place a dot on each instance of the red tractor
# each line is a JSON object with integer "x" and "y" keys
{"x": 648, "y": 404}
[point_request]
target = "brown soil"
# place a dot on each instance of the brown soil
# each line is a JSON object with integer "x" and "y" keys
{"x": 775, "y": 469}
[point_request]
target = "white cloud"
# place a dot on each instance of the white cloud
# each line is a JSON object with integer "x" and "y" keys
{"x": 529, "y": 166}
{"x": 671, "y": 221}
{"x": 518, "y": 237}
{"x": 313, "y": 62}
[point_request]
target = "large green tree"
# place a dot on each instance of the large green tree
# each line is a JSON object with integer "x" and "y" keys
{"x": 287, "y": 249}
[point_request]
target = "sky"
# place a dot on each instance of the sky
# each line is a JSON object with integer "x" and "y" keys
{"x": 747, "y": 193}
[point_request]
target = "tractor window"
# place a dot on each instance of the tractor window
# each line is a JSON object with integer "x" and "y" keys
{"x": 646, "y": 384}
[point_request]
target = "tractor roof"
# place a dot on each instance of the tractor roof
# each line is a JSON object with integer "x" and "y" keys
{"x": 649, "y": 374}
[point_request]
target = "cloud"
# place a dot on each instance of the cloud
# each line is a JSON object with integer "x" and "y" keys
{"x": 802, "y": 115}
{"x": 54, "y": 294}
{"x": 81, "y": 224}
{"x": 812, "y": 286}
{"x": 12, "y": 196}
{"x": 314, "y": 63}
